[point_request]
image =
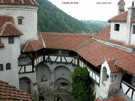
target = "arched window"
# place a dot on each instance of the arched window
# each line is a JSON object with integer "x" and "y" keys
{"x": 8, "y": 66}
{"x": 1, "y": 67}
{"x": 104, "y": 77}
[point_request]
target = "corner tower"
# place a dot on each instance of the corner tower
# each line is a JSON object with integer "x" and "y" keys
{"x": 24, "y": 13}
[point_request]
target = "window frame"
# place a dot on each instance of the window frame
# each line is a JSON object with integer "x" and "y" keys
{"x": 1, "y": 67}
{"x": 8, "y": 66}
{"x": 133, "y": 29}
{"x": 116, "y": 27}
{"x": 20, "y": 20}
{"x": 11, "y": 40}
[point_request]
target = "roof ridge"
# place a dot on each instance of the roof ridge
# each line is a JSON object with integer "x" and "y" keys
{"x": 117, "y": 15}
{"x": 32, "y": 46}
{"x": 83, "y": 45}
{"x": 42, "y": 40}
{"x": 7, "y": 23}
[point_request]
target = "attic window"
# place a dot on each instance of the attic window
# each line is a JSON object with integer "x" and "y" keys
{"x": 117, "y": 27}
{"x": 133, "y": 29}
{"x": 20, "y": 20}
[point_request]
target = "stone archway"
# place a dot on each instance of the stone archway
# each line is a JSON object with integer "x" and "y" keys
{"x": 62, "y": 77}
{"x": 62, "y": 83}
{"x": 43, "y": 72}
{"x": 25, "y": 84}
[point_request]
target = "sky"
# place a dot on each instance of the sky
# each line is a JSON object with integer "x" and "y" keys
{"x": 90, "y": 9}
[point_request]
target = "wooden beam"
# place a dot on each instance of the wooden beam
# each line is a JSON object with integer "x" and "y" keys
{"x": 24, "y": 68}
{"x": 20, "y": 69}
{"x": 132, "y": 94}
{"x": 56, "y": 58}
{"x": 65, "y": 59}
{"x": 127, "y": 91}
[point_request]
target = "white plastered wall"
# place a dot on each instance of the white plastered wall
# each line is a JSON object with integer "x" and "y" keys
{"x": 29, "y": 24}
{"x": 10, "y": 54}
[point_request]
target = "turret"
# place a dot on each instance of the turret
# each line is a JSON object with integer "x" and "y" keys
{"x": 121, "y": 6}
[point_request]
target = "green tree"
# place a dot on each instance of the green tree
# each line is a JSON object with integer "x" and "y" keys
{"x": 81, "y": 85}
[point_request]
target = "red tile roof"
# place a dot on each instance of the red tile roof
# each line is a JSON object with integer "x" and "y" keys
{"x": 11, "y": 93}
{"x": 116, "y": 97}
{"x": 4, "y": 19}
{"x": 62, "y": 40}
{"x": 119, "y": 18}
{"x": 33, "y": 45}
{"x": 19, "y": 2}
{"x": 120, "y": 2}
{"x": 91, "y": 50}
{"x": 95, "y": 53}
{"x": 133, "y": 20}
{"x": 113, "y": 68}
{"x": 9, "y": 29}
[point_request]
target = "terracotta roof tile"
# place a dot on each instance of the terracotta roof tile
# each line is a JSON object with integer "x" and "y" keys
{"x": 95, "y": 53}
{"x": 4, "y": 19}
{"x": 120, "y": 18}
{"x": 113, "y": 68}
{"x": 62, "y": 40}
{"x": 19, "y": 2}
{"x": 120, "y": 2}
{"x": 133, "y": 20}
{"x": 11, "y": 93}
{"x": 9, "y": 29}
{"x": 33, "y": 45}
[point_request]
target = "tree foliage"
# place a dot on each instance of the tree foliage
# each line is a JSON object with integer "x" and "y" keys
{"x": 81, "y": 87}
{"x": 52, "y": 19}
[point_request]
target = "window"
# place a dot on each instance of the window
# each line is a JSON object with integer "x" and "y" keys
{"x": 133, "y": 29}
{"x": 11, "y": 40}
{"x": 1, "y": 67}
{"x": 117, "y": 27}
{"x": 8, "y": 66}
{"x": 20, "y": 20}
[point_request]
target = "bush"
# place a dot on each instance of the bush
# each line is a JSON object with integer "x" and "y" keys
{"x": 81, "y": 87}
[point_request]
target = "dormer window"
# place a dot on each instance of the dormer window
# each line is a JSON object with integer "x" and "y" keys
{"x": 117, "y": 27}
{"x": 133, "y": 29}
{"x": 20, "y": 20}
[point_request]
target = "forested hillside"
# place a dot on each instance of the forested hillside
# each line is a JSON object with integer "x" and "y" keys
{"x": 52, "y": 19}
{"x": 95, "y": 26}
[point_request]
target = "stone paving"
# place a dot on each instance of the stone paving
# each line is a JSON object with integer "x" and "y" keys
{"x": 64, "y": 95}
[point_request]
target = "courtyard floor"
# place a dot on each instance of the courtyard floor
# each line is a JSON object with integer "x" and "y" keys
{"x": 64, "y": 95}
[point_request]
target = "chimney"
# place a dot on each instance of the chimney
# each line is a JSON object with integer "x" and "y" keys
{"x": 121, "y": 6}
{"x": 130, "y": 16}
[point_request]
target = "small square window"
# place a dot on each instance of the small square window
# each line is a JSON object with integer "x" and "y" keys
{"x": 133, "y": 29}
{"x": 11, "y": 40}
{"x": 19, "y": 21}
{"x": 1, "y": 67}
{"x": 117, "y": 27}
